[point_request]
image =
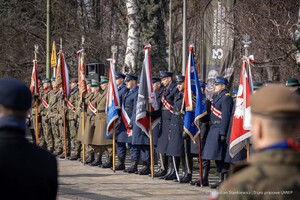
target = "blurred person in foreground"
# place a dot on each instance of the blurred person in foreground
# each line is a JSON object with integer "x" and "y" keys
{"x": 273, "y": 171}
{"x": 26, "y": 170}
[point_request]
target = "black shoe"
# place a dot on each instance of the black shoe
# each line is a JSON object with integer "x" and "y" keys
{"x": 131, "y": 169}
{"x": 171, "y": 177}
{"x": 96, "y": 163}
{"x": 73, "y": 157}
{"x": 186, "y": 178}
{"x": 160, "y": 172}
{"x": 145, "y": 171}
{"x": 120, "y": 166}
{"x": 107, "y": 165}
{"x": 167, "y": 174}
{"x": 89, "y": 160}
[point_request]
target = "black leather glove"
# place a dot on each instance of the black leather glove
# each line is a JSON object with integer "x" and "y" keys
{"x": 185, "y": 135}
{"x": 223, "y": 138}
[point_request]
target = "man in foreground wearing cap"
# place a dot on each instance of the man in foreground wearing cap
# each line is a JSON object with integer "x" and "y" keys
{"x": 215, "y": 146}
{"x": 27, "y": 171}
{"x": 273, "y": 172}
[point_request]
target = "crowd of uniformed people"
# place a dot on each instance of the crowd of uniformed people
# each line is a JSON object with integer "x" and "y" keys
{"x": 174, "y": 148}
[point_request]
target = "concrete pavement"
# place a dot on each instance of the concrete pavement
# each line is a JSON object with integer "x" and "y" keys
{"x": 80, "y": 182}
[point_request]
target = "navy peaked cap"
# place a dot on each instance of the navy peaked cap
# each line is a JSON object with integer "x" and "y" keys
{"x": 180, "y": 78}
{"x": 130, "y": 77}
{"x": 119, "y": 75}
{"x": 14, "y": 94}
{"x": 155, "y": 80}
{"x": 164, "y": 74}
{"x": 222, "y": 80}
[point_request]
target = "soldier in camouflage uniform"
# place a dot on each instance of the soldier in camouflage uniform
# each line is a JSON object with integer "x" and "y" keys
{"x": 72, "y": 118}
{"x": 46, "y": 139}
{"x": 53, "y": 115}
{"x": 273, "y": 172}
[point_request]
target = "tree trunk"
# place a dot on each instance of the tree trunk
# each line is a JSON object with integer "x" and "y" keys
{"x": 133, "y": 38}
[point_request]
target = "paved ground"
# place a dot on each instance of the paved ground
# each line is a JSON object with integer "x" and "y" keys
{"x": 80, "y": 182}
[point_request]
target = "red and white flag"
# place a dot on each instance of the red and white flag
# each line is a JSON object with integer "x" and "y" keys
{"x": 34, "y": 84}
{"x": 146, "y": 96}
{"x": 62, "y": 74}
{"x": 242, "y": 116}
{"x": 81, "y": 75}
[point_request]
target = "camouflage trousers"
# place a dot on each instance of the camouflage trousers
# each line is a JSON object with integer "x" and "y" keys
{"x": 58, "y": 145}
{"x": 75, "y": 145}
{"x": 65, "y": 136}
{"x": 46, "y": 136}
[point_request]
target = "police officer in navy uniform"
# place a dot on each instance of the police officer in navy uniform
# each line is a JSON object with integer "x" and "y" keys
{"x": 215, "y": 146}
{"x": 122, "y": 135}
{"x": 122, "y": 90}
{"x": 175, "y": 148}
{"x": 170, "y": 90}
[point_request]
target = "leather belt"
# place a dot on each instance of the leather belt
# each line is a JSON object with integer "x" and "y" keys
{"x": 214, "y": 123}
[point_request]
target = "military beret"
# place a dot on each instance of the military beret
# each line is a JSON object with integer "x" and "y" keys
{"x": 221, "y": 80}
{"x": 14, "y": 94}
{"x": 292, "y": 82}
{"x": 275, "y": 100}
{"x": 257, "y": 85}
{"x": 155, "y": 80}
{"x": 180, "y": 78}
{"x": 73, "y": 80}
{"x": 119, "y": 75}
{"x": 164, "y": 74}
{"x": 103, "y": 79}
{"x": 47, "y": 80}
{"x": 95, "y": 83}
{"x": 130, "y": 77}
{"x": 52, "y": 79}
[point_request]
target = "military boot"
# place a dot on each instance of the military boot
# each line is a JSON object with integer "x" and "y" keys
{"x": 90, "y": 158}
{"x": 163, "y": 166}
{"x": 217, "y": 184}
{"x": 174, "y": 169}
{"x": 75, "y": 156}
{"x": 146, "y": 169}
{"x": 108, "y": 163}
{"x": 132, "y": 168}
{"x": 121, "y": 164}
{"x": 97, "y": 161}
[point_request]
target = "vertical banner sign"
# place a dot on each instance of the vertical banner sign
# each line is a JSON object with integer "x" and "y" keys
{"x": 218, "y": 42}
{"x": 53, "y": 55}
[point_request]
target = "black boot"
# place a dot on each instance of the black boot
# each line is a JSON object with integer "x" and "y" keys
{"x": 217, "y": 184}
{"x": 163, "y": 166}
{"x": 121, "y": 164}
{"x": 172, "y": 175}
{"x": 132, "y": 168}
{"x": 108, "y": 163}
{"x": 146, "y": 169}
{"x": 97, "y": 161}
{"x": 75, "y": 156}
{"x": 90, "y": 158}
{"x": 170, "y": 168}
{"x": 186, "y": 178}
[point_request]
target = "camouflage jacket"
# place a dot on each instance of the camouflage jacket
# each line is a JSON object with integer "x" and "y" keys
{"x": 44, "y": 97}
{"x": 53, "y": 104}
{"x": 72, "y": 105}
{"x": 271, "y": 174}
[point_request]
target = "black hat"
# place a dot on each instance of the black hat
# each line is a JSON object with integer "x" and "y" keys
{"x": 292, "y": 82}
{"x": 119, "y": 75}
{"x": 180, "y": 78}
{"x": 155, "y": 80}
{"x": 14, "y": 94}
{"x": 47, "y": 80}
{"x": 130, "y": 77}
{"x": 164, "y": 74}
{"x": 221, "y": 80}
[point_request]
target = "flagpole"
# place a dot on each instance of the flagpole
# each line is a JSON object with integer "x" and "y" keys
{"x": 246, "y": 41}
{"x": 64, "y": 112}
{"x": 114, "y": 51}
{"x": 151, "y": 143}
{"x": 36, "y": 47}
{"x": 82, "y": 106}
{"x": 200, "y": 161}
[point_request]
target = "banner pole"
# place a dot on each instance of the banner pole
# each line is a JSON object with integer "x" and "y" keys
{"x": 200, "y": 161}
{"x": 151, "y": 145}
{"x": 36, "y": 103}
{"x": 114, "y": 149}
{"x": 82, "y": 130}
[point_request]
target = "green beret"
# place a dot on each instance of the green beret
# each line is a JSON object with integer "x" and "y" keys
{"x": 47, "y": 80}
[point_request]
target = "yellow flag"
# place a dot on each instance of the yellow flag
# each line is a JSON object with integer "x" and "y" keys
{"x": 53, "y": 55}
